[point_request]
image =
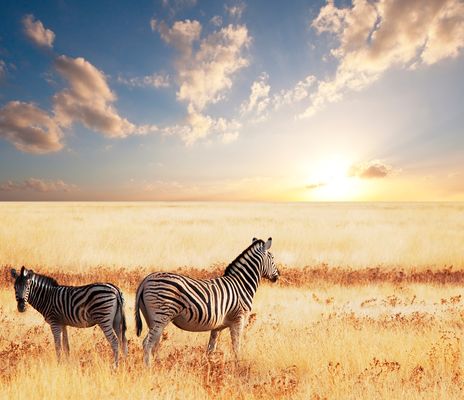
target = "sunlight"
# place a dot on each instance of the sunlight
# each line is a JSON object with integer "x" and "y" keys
{"x": 329, "y": 181}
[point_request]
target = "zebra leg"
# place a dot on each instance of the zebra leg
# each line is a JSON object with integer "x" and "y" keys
{"x": 107, "y": 328}
{"x": 155, "y": 346}
{"x": 124, "y": 344}
{"x": 213, "y": 340}
{"x": 119, "y": 331}
{"x": 151, "y": 342}
{"x": 236, "y": 331}
{"x": 56, "y": 331}
{"x": 65, "y": 340}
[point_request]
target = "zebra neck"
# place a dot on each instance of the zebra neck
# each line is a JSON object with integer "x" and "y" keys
{"x": 247, "y": 275}
{"x": 39, "y": 294}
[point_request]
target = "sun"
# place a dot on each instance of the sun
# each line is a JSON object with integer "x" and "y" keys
{"x": 329, "y": 180}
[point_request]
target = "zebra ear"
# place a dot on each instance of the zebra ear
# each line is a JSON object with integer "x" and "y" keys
{"x": 267, "y": 245}
{"x": 14, "y": 274}
{"x": 253, "y": 240}
{"x": 24, "y": 271}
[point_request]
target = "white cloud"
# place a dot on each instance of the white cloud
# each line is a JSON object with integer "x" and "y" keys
{"x": 261, "y": 100}
{"x": 236, "y": 10}
{"x": 372, "y": 169}
{"x": 89, "y": 100}
{"x": 36, "y": 32}
{"x": 216, "y": 20}
{"x": 29, "y": 128}
{"x": 204, "y": 78}
{"x": 153, "y": 23}
{"x": 258, "y": 101}
{"x": 199, "y": 126}
{"x": 298, "y": 93}
{"x": 37, "y": 185}
{"x": 181, "y": 35}
{"x": 204, "y": 73}
{"x": 377, "y": 36}
{"x": 155, "y": 80}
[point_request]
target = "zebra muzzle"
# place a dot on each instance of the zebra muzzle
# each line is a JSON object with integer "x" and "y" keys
{"x": 21, "y": 306}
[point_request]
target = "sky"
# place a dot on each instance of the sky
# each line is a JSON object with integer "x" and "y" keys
{"x": 236, "y": 100}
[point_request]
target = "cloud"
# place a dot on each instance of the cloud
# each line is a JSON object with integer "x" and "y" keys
{"x": 199, "y": 126}
{"x": 204, "y": 78}
{"x": 37, "y": 185}
{"x": 216, "y": 20}
{"x": 298, "y": 93}
{"x": 2, "y": 70}
{"x": 155, "y": 80}
{"x": 181, "y": 35}
{"x": 229, "y": 137}
{"x": 89, "y": 100}
{"x": 204, "y": 71}
{"x": 372, "y": 169}
{"x": 374, "y": 37}
{"x": 29, "y": 128}
{"x": 260, "y": 99}
{"x": 312, "y": 186}
{"x": 37, "y": 33}
{"x": 236, "y": 10}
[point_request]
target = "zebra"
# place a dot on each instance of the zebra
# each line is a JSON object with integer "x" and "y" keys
{"x": 77, "y": 306}
{"x": 199, "y": 305}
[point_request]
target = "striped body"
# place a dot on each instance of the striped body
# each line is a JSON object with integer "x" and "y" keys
{"x": 204, "y": 304}
{"x": 76, "y": 306}
{"x": 199, "y": 305}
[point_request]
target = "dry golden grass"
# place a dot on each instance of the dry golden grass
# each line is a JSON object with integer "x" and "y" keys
{"x": 77, "y": 237}
{"x": 369, "y": 342}
{"x": 290, "y": 277}
{"x": 369, "y": 305}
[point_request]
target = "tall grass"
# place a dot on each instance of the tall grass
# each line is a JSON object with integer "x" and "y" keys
{"x": 368, "y": 305}
{"x": 80, "y": 236}
{"x": 370, "y": 342}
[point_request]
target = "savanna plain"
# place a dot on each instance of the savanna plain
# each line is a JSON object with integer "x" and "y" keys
{"x": 369, "y": 305}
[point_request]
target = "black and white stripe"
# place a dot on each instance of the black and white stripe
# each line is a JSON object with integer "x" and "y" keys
{"x": 77, "y": 306}
{"x": 204, "y": 304}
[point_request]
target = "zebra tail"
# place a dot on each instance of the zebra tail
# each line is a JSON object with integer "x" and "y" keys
{"x": 138, "y": 320}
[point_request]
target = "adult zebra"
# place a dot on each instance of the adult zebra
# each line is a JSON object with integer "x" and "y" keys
{"x": 204, "y": 304}
{"x": 77, "y": 306}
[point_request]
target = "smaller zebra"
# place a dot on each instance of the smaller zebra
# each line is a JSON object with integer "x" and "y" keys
{"x": 77, "y": 306}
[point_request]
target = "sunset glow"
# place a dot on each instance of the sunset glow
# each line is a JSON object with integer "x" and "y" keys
{"x": 255, "y": 101}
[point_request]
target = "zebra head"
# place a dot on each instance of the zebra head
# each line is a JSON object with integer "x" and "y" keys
{"x": 22, "y": 286}
{"x": 269, "y": 269}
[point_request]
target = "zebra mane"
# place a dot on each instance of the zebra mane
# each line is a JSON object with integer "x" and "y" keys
{"x": 229, "y": 268}
{"x": 45, "y": 280}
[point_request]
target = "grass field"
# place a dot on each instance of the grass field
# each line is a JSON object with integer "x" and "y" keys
{"x": 368, "y": 306}
{"x": 77, "y": 237}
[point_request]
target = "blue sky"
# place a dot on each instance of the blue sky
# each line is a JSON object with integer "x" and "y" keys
{"x": 187, "y": 100}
